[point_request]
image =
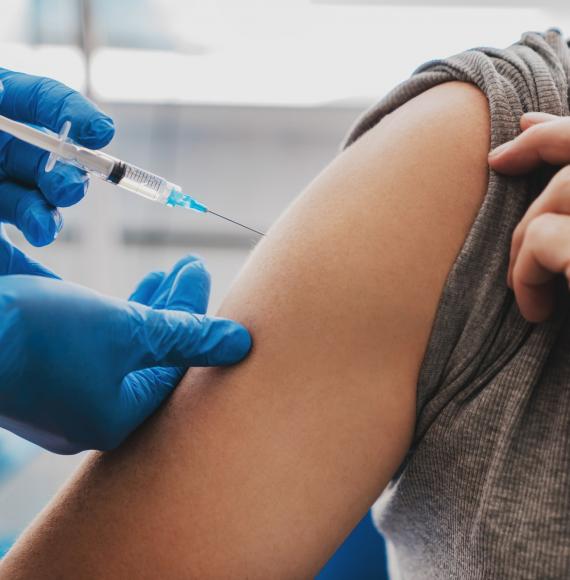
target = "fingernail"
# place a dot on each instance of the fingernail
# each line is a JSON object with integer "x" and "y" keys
{"x": 500, "y": 149}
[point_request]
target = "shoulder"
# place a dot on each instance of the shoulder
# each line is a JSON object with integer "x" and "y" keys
{"x": 452, "y": 119}
{"x": 378, "y": 230}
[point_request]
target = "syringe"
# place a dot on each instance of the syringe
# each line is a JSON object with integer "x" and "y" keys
{"x": 107, "y": 167}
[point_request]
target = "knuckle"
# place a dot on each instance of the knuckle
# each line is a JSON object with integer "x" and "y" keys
{"x": 553, "y": 136}
{"x": 54, "y": 94}
{"x": 535, "y": 136}
{"x": 45, "y": 88}
{"x": 542, "y": 229}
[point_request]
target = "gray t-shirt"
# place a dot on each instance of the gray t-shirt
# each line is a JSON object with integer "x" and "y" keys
{"x": 484, "y": 491}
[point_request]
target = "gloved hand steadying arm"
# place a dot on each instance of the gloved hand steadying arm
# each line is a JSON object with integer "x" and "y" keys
{"x": 78, "y": 369}
{"x": 66, "y": 353}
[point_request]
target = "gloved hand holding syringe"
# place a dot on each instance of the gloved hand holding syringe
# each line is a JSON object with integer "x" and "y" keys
{"x": 78, "y": 369}
{"x": 107, "y": 167}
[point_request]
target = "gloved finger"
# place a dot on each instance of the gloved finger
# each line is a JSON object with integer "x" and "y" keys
{"x": 190, "y": 291}
{"x": 49, "y": 103}
{"x": 158, "y": 338}
{"x": 14, "y": 261}
{"x": 27, "y": 209}
{"x": 141, "y": 394}
{"x": 147, "y": 287}
{"x": 161, "y": 296}
{"x": 156, "y": 285}
{"x": 65, "y": 185}
{"x": 142, "y": 391}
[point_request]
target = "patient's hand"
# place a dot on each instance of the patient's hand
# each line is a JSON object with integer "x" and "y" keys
{"x": 261, "y": 470}
{"x": 539, "y": 250}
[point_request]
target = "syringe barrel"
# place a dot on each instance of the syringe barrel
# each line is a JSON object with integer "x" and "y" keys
{"x": 97, "y": 162}
{"x": 125, "y": 175}
{"x": 107, "y": 167}
{"x": 141, "y": 182}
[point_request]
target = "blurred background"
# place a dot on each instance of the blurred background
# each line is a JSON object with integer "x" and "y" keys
{"x": 242, "y": 103}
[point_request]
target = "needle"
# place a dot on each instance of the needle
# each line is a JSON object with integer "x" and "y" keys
{"x": 234, "y": 222}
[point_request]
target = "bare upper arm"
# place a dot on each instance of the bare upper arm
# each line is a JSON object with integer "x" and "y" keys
{"x": 260, "y": 470}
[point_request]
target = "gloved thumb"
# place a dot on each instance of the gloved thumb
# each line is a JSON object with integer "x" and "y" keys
{"x": 160, "y": 338}
{"x": 14, "y": 261}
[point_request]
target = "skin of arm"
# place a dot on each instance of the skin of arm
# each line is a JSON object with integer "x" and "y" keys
{"x": 261, "y": 470}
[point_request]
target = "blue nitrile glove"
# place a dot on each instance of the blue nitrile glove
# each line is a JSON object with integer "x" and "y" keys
{"x": 65, "y": 352}
{"x": 14, "y": 261}
{"x": 29, "y": 197}
{"x": 78, "y": 370}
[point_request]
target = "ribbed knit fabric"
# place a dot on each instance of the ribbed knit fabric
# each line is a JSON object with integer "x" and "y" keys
{"x": 485, "y": 489}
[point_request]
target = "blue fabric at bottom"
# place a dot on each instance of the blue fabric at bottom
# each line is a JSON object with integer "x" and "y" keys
{"x": 361, "y": 557}
{"x": 5, "y": 545}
